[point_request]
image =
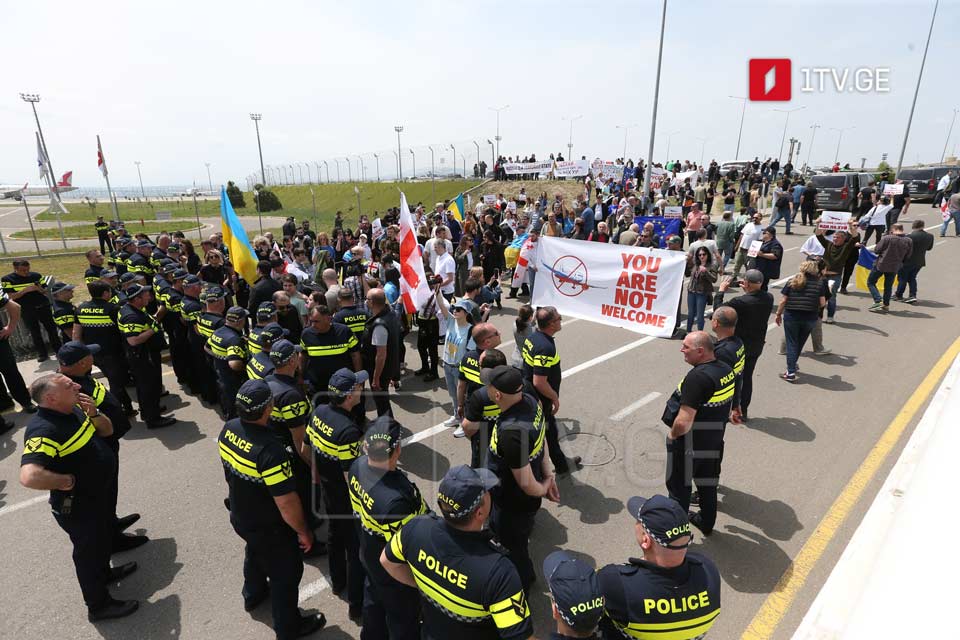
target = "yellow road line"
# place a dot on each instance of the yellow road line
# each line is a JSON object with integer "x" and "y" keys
{"x": 778, "y": 602}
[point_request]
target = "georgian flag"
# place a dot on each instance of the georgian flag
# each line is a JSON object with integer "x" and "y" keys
{"x": 101, "y": 163}
{"x": 413, "y": 280}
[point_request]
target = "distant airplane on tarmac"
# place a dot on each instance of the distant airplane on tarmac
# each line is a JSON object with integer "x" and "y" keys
{"x": 17, "y": 192}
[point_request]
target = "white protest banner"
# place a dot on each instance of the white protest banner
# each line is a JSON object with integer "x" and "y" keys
{"x": 755, "y": 248}
{"x": 834, "y": 220}
{"x": 607, "y": 170}
{"x": 693, "y": 175}
{"x": 657, "y": 176}
{"x": 512, "y": 206}
{"x": 673, "y": 212}
{"x": 571, "y": 169}
{"x": 489, "y": 198}
{"x": 630, "y": 287}
{"x": 377, "y": 227}
{"x": 517, "y": 168}
{"x": 893, "y": 189}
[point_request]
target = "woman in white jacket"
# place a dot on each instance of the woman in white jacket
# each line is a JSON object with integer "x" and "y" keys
{"x": 875, "y": 221}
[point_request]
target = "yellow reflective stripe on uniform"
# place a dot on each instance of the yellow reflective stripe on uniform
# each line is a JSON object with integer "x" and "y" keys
{"x": 133, "y": 327}
{"x": 491, "y": 411}
{"x": 678, "y": 630}
{"x": 239, "y": 464}
{"x": 64, "y": 319}
{"x": 277, "y": 474}
{"x": 90, "y": 279}
{"x": 738, "y": 367}
{"x": 318, "y": 351}
{"x": 349, "y": 451}
{"x": 723, "y": 395}
{"x": 46, "y": 446}
{"x": 9, "y": 286}
{"x": 511, "y": 611}
{"x": 396, "y": 547}
{"x": 78, "y": 439}
{"x": 471, "y": 374}
{"x": 294, "y": 410}
{"x": 99, "y": 393}
{"x": 540, "y": 361}
{"x": 98, "y": 318}
{"x": 447, "y": 599}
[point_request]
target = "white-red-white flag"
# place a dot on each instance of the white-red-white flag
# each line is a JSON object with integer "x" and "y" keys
{"x": 523, "y": 261}
{"x": 101, "y": 163}
{"x": 413, "y": 280}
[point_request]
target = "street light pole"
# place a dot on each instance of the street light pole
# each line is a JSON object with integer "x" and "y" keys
{"x": 742, "y": 114}
{"x": 836, "y": 158}
{"x": 209, "y": 179}
{"x": 570, "y": 137}
{"x": 493, "y": 160}
{"x": 140, "y": 175}
{"x": 454, "y": 158}
{"x": 377, "y": 157}
{"x": 433, "y": 174}
{"x": 949, "y": 133}
{"x": 33, "y": 99}
{"x": 414, "y": 176}
{"x": 496, "y": 137}
{"x": 653, "y": 119}
{"x": 810, "y": 146}
{"x": 669, "y": 140}
{"x": 916, "y": 91}
{"x": 626, "y": 129}
{"x": 256, "y": 117}
{"x": 327, "y": 168}
{"x": 785, "y": 122}
{"x": 477, "y": 145}
{"x": 349, "y": 170}
{"x": 399, "y": 130}
{"x": 703, "y": 146}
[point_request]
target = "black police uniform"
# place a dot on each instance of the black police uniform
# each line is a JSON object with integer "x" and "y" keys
{"x": 13, "y": 381}
{"x": 259, "y": 366}
{"x": 35, "y": 308}
{"x": 695, "y": 456}
{"x": 335, "y": 440}
{"x": 327, "y": 352}
{"x": 516, "y": 441}
{"x": 354, "y": 317}
{"x": 391, "y": 368}
{"x": 176, "y": 330}
{"x": 383, "y": 502}
{"x": 206, "y": 323}
{"x": 92, "y": 274}
{"x": 68, "y": 444}
{"x": 291, "y": 410}
{"x": 103, "y": 235}
{"x": 144, "y": 360}
{"x": 139, "y": 263}
{"x": 98, "y": 325}
{"x": 253, "y": 340}
{"x": 732, "y": 352}
{"x": 64, "y": 316}
{"x": 200, "y": 376}
{"x": 471, "y": 588}
{"x": 118, "y": 261}
{"x": 258, "y": 469}
{"x": 644, "y": 600}
{"x": 228, "y": 345}
{"x": 480, "y": 409}
{"x": 540, "y": 358}
{"x": 470, "y": 373}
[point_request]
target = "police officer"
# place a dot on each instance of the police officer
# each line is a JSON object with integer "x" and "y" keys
{"x": 334, "y": 442}
{"x": 329, "y": 346}
{"x": 353, "y": 315}
{"x": 266, "y": 513}
{"x": 481, "y": 412}
{"x": 95, "y": 269}
{"x": 541, "y": 366}
{"x": 97, "y": 318}
{"x": 472, "y": 588}
{"x": 144, "y": 343}
{"x": 62, "y": 455}
{"x": 103, "y": 234}
{"x": 214, "y": 300}
{"x": 266, "y": 313}
{"x": 730, "y": 350}
{"x": 697, "y": 414}
{"x": 384, "y": 500}
{"x": 28, "y": 289}
{"x": 13, "y": 384}
{"x": 228, "y": 348}
{"x": 520, "y": 459}
{"x": 381, "y": 349}
{"x": 576, "y": 600}
{"x": 259, "y": 365}
{"x": 64, "y": 313}
{"x": 670, "y": 592}
{"x": 119, "y": 257}
{"x": 170, "y": 293}
{"x": 141, "y": 263}
{"x": 485, "y": 336}
{"x": 76, "y": 362}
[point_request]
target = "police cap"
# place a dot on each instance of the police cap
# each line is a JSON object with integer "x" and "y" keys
{"x": 663, "y": 519}
{"x": 575, "y": 589}
{"x": 462, "y": 489}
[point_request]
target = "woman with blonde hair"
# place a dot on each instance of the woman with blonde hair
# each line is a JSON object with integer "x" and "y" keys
{"x": 803, "y": 298}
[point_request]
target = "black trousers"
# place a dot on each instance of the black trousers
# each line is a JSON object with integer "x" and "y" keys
{"x": 228, "y": 386}
{"x": 686, "y": 466}
{"x": 179, "y": 347}
{"x": 390, "y": 612}
{"x": 381, "y": 398}
{"x": 343, "y": 546}
{"x": 12, "y": 380}
{"x": 275, "y": 556}
{"x": 480, "y": 446}
{"x": 145, "y": 367}
{"x": 117, "y": 372}
{"x": 746, "y": 390}
{"x": 513, "y": 529}
{"x": 849, "y": 268}
{"x": 91, "y": 534}
{"x": 33, "y": 318}
{"x": 807, "y": 216}
{"x": 105, "y": 245}
{"x": 428, "y": 339}
{"x": 557, "y": 456}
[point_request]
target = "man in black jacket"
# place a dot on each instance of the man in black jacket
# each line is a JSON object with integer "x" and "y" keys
{"x": 922, "y": 242}
{"x": 769, "y": 257}
{"x": 264, "y": 288}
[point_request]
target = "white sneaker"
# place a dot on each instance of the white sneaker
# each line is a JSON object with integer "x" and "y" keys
{"x": 459, "y": 433}
{"x": 451, "y": 421}
{"x": 829, "y": 320}
{"x": 822, "y": 352}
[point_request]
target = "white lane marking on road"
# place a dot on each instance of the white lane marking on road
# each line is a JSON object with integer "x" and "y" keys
{"x": 307, "y": 591}
{"x": 623, "y": 413}
{"x": 22, "y": 505}
{"x": 939, "y": 243}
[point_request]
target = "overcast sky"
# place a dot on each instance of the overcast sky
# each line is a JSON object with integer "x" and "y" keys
{"x": 172, "y": 84}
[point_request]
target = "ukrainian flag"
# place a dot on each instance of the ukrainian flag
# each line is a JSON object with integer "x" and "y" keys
{"x": 864, "y": 267}
{"x": 456, "y": 208}
{"x": 235, "y": 238}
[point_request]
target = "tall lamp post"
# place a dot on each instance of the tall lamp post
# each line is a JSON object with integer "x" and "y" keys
{"x": 703, "y": 146}
{"x": 349, "y": 170}
{"x": 376, "y": 156}
{"x": 209, "y": 179}
{"x": 256, "y": 117}
{"x": 140, "y": 175}
{"x": 742, "y": 114}
{"x": 477, "y": 145}
{"x": 570, "y": 137}
{"x": 33, "y": 99}
{"x": 785, "y": 122}
{"x": 626, "y": 128}
{"x": 949, "y": 133}
{"x": 414, "y": 176}
{"x": 433, "y": 174}
{"x": 493, "y": 159}
{"x": 906, "y": 134}
{"x": 669, "y": 140}
{"x": 496, "y": 137}
{"x": 399, "y": 129}
{"x": 836, "y": 158}
{"x": 327, "y": 169}
{"x": 656, "y": 101}
{"x": 454, "y": 158}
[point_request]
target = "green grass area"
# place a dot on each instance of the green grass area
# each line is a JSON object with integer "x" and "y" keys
{"x": 83, "y": 231}
{"x": 135, "y": 211}
{"x": 66, "y": 268}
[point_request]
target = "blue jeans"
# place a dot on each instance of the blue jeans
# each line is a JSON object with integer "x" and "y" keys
{"x": 796, "y": 329}
{"x": 955, "y": 216}
{"x": 872, "y": 280}
{"x": 451, "y": 373}
{"x": 832, "y": 302}
{"x": 696, "y": 307}
{"x": 781, "y": 214}
{"x": 907, "y": 276}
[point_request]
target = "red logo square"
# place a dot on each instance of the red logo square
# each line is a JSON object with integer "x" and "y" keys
{"x": 770, "y": 79}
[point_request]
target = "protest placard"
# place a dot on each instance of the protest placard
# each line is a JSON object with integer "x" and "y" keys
{"x": 834, "y": 220}
{"x": 893, "y": 189}
{"x": 754, "y": 248}
{"x": 489, "y": 198}
{"x": 673, "y": 212}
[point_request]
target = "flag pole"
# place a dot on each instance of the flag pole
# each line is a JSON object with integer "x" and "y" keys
{"x": 106, "y": 176}
{"x": 54, "y": 196}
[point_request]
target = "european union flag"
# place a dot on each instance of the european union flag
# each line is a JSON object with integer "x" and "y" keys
{"x": 663, "y": 227}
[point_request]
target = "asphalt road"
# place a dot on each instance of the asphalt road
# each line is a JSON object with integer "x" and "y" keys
{"x": 781, "y": 474}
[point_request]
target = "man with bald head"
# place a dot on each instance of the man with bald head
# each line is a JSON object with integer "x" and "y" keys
{"x": 697, "y": 414}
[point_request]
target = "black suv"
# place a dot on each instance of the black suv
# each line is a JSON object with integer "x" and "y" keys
{"x": 922, "y": 182}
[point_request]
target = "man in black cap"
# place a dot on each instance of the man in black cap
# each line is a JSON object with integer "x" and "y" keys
{"x": 228, "y": 349}
{"x": 211, "y": 319}
{"x": 169, "y": 286}
{"x": 670, "y": 592}
{"x": 350, "y": 313}
{"x": 102, "y": 227}
{"x": 13, "y": 384}
{"x": 332, "y": 443}
{"x": 472, "y": 588}
{"x": 329, "y": 346}
{"x": 383, "y": 500}
{"x": 76, "y": 361}
{"x": 730, "y": 350}
{"x": 575, "y": 596}
{"x": 140, "y": 262}
{"x": 259, "y": 364}
{"x": 266, "y": 314}
{"x": 97, "y": 318}
{"x": 262, "y": 290}
{"x": 481, "y": 412}
{"x": 64, "y": 313}
{"x": 520, "y": 459}
{"x": 485, "y": 336}
{"x": 144, "y": 342}
{"x": 27, "y": 288}
{"x": 266, "y": 512}
{"x": 65, "y": 453}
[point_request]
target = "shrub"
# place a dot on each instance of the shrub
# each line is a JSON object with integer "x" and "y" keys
{"x": 267, "y": 200}
{"x": 235, "y": 195}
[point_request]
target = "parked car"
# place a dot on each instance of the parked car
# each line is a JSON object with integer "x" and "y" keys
{"x": 922, "y": 182}
{"x": 838, "y": 191}
{"x": 739, "y": 165}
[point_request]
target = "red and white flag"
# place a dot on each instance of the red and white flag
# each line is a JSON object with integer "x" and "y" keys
{"x": 413, "y": 280}
{"x": 101, "y": 163}
{"x": 523, "y": 261}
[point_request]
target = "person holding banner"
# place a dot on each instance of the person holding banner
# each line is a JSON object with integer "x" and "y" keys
{"x": 836, "y": 252}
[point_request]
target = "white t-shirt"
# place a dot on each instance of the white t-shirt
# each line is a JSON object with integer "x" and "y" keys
{"x": 432, "y": 254}
{"x": 446, "y": 267}
{"x": 751, "y": 231}
{"x": 812, "y": 247}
